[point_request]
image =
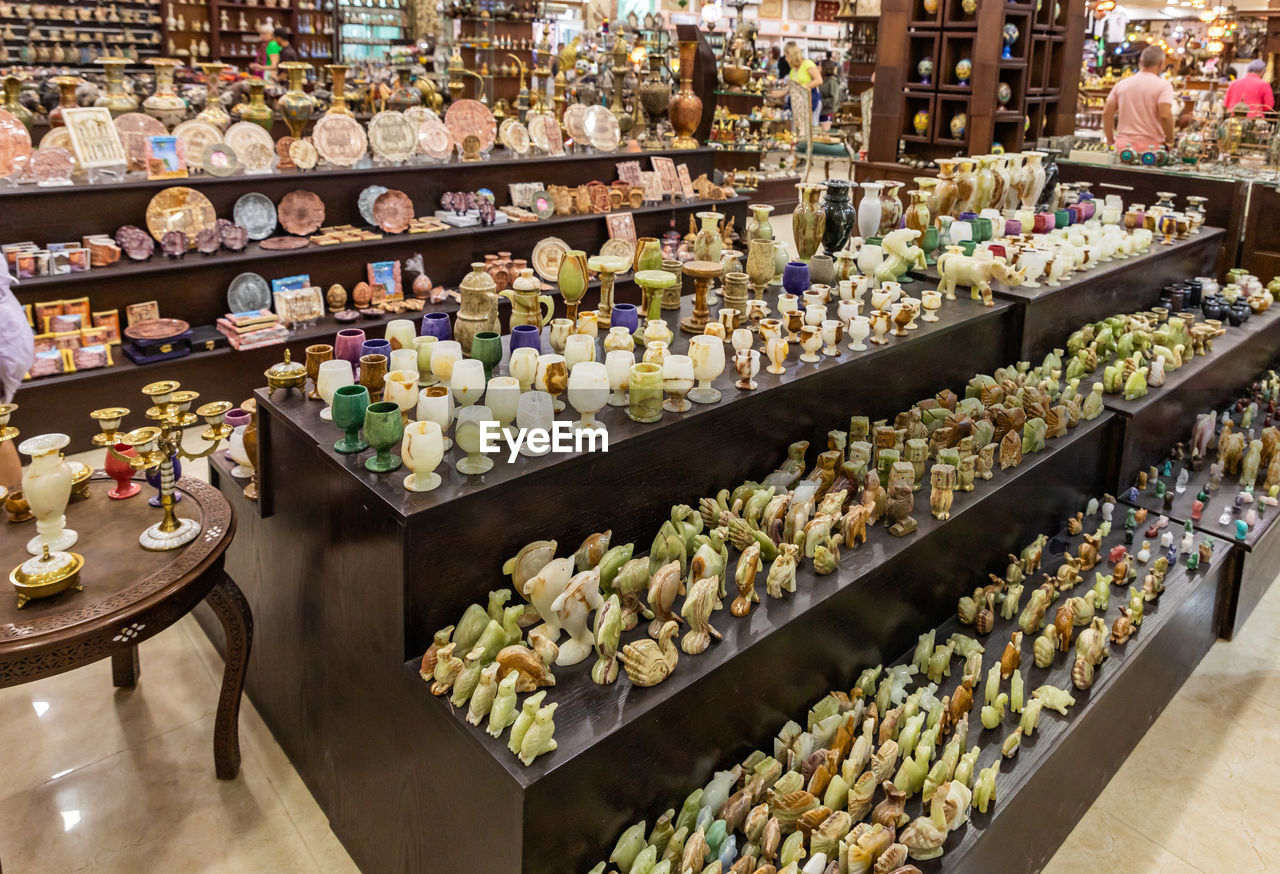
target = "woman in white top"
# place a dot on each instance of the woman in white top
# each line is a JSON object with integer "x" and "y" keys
{"x": 17, "y": 352}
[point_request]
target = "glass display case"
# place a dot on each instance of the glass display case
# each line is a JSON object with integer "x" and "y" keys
{"x": 369, "y": 28}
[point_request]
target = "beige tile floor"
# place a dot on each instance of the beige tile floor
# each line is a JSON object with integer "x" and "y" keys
{"x": 97, "y": 779}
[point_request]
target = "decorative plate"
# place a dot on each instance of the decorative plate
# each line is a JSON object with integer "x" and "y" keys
{"x": 257, "y": 157}
{"x": 392, "y": 136}
{"x": 282, "y": 150}
{"x": 180, "y": 209}
{"x": 365, "y": 202}
{"x": 134, "y": 128}
{"x": 515, "y": 136}
{"x": 156, "y": 329}
{"x": 256, "y": 214}
{"x": 547, "y": 255}
{"x": 471, "y": 118}
{"x": 575, "y": 122}
{"x": 544, "y": 132}
{"x": 219, "y": 159}
{"x": 435, "y": 139}
{"x": 618, "y": 248}
{"x": 277, "y": 243}
{"x": 304, "y": 154}
{"x": 234, "y": 237}
{"x": 135, "y": 242}
{"x": 542, "y": 205}
{"x": 59, "y": 138}
{"x": 301, "y": 212}
{"x": 242, "y": 133}
{"x": 392, "y": 211}
{"x": 602, "y": 129}
{"x": 197, "y": 136}
{"x": 420, "y": 115}
{"x": 340, "y": 140}
{"x": 208, "y": 241}
{"x": 175, "y": 242}
{"x": 52, "y": 164}
{"x": 248, "y": 292}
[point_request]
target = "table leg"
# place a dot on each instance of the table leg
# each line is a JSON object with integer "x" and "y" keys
{"x": 229, "y": 603}
{"x": 125, "y": 668}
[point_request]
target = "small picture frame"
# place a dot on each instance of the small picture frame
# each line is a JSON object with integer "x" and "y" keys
{"x": 686, "y": 183}
{"x": 652, "y": 184}
{"x": 629, "y": 172}
{"x": 141, "y": 312}
{"x": 386, "y": 274}
{"x": 109, "y": 321}
{"x": 166, "y": 158}
{"x": 666, "y": 169}
{"x": 94, "y": 137}
{"x": 622, "y": 226}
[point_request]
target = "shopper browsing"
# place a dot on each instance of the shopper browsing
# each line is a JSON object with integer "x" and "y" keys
{"x": 1144, "y": 103}
{"x": 1252, "y": 90}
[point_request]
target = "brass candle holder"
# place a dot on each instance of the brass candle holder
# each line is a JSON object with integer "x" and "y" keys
{"x": 159, "y": 444}
{"x": 7, "y": 431}
{"x": 108, "y": 419}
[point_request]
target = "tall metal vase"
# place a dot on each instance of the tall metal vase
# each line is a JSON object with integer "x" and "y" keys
{"x": 685, "y": 108}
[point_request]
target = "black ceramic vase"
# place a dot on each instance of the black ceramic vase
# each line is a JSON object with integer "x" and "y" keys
{"x": 841, "y": 216}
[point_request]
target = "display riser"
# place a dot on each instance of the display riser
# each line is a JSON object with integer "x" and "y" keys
{"x": 1224, "y": 204}
{"x": 1047, "y": 314}
{"x": 1168, "y": 413}
{"x": 718, "y": 706}
{"x": 682, "y": 458}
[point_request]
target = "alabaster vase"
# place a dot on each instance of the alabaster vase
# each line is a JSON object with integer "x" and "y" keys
{"x": 117, "y": 100}
{"x": 165, "y": 105}
{"x": 808, "y": 220}
{"x": 213, "y": 111}
{"x": 12, "y": 105}
{"x": 46, "y": 485}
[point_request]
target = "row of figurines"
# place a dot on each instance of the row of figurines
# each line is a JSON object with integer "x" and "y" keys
{"x": 785, "y": 519}
{"x": 431, "y": 377}
{"x": 832, "y": 794}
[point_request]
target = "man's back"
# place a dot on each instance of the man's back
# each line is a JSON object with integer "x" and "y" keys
{"x": 1138, "y": 100}
{"x": 1252, "y": 91}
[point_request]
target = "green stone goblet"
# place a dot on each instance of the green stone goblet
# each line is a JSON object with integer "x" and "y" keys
{"x": 486, "y": 347}
{"x": 383, "y": 428}
{"x": 349, "y": 404}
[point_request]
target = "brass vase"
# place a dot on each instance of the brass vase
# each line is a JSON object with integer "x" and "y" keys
{"x": 12, "y": 105}
{"x": 66, "y": 98}
{"x": 256, "y": 110}
{"x": 165, "y": 106}
{"x": 117, "y": 100}
{"x": 685, "y": 108}
{"x": 213, "y": 112}
{"x": 405, "y": 94}
{"x": 654, "y": 93}
{"x": 338, "y": 102}
{"x": 296, "y": 105}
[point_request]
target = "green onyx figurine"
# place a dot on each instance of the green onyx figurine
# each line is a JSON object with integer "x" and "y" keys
{"x": 608, "y": 629}
{"x": 523, "y": 722}
{"x": 503, "y": 711}
{"x": 383, "y": 428}
{"x": 538, "y": 739}
{"x": 349, "y": 405}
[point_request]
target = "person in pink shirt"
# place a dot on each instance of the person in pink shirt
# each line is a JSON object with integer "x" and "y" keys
{"x": 1144, "y": 103}
{"x": 1251, "y": 90}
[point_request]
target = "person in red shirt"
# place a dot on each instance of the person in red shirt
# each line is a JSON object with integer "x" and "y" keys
{"x": 1251, "y": 90}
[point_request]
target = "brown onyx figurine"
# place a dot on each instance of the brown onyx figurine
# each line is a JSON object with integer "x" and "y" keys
{"x": 373, "y": 373}
{"x": 317, "y": 355}
{"x": 702, "y": 272}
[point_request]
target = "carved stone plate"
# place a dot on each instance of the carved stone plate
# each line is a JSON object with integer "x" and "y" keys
{"x": 514, "y": 136}
{"x": 60, "y": 138}
{"x": 420, "y": 115}
{"x": 544, "y": 133}
{"x": 301, "y": 212}
{"x": 248, "y": 292}
{"x": 282, "y": 152}
{"x": 197, "y": 136}
{"x": 257, "y": 157}
{"x": 285, "y": 243}
{"x": 547, "y": 255}
{"x": 602, "y": 129}
{"x": 243, "y": 133}
{"x": 180, "y": 209}
{"x": 134, "y": 128}
{"x": 471, "y": 118}
{"x": 392, "y": 211}
{"x": 618, "y": 248}
{"x": 234, "y": 237}
{"x": 575, "y": 122}
{"x": 52, "y": 164}
{"x": 156, "y": 329}
{"x": 208, "y": 241}
{"x": 219, "y": 159}
{"x": 256, "y": 214}
{"x": 392, "y": 136}
{"x": 365, "y": 202}
{"x": 542, "y": 204}
{"x": 340, "y": 140}
{"x": 175, "y": 243}
{"x": 303, "y": 153}
{"x": 435, "y": 139}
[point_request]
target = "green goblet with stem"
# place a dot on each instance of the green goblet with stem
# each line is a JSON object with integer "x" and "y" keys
{"x": 349, "y": 405}
{"x": 383, "y": 428}
{"x": 486, "y": 347}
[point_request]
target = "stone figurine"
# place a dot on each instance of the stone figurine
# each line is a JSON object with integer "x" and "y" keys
{"x": 745, "y": 576}
{"x": 782, "y": 573}
{"x": 648, "y": 663}
{"x": 698, "y": 607}
{"x": 942, "y": 478}
{"x": 606, "y": 634}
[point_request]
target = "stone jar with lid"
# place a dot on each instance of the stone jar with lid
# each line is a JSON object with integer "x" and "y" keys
{"x": 479, "y": 308}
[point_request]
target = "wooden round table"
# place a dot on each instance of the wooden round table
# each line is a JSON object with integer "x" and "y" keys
{"x": 129, "y": 595}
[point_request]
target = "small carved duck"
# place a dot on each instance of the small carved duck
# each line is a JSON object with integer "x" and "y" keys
{"x": 664, "y": 586}
{"x": 745, "y": 577}
{"x": 698, "y": 607}
{"x": 648, "y": 663}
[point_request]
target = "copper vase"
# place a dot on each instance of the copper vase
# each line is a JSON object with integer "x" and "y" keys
{"x": 685, "y": 108}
